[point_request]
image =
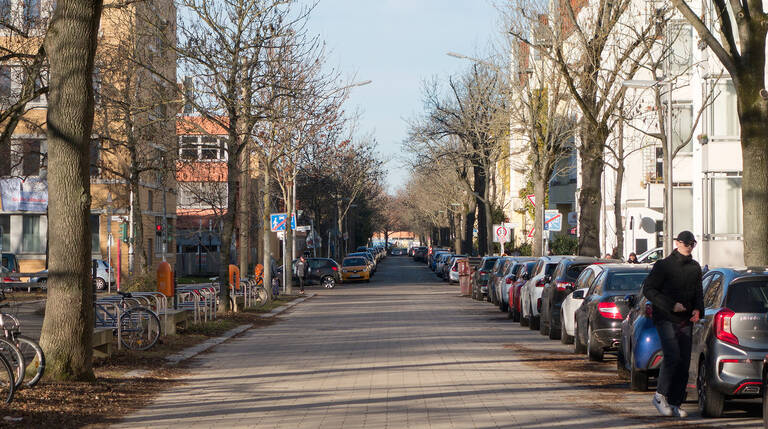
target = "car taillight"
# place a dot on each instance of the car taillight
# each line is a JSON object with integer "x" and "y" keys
{"x": 609, "y": 310}
{"x": 455, "y": 268}
{"x": 335, "y": 268}
{"x": 648, "y": 310}
{"x": 723, "y": 326}
{"x": 509, "y": 280}
{"x": 561, "y": 286}
{"x": 540, "y": 283}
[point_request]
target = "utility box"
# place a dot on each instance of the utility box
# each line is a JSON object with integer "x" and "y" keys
{"x": 165, "y": 283}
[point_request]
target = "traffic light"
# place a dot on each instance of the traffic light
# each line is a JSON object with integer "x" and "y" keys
{"x": 159, "y": 229}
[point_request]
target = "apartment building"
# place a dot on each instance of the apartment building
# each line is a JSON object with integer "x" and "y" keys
{"x": 138, "y": 30}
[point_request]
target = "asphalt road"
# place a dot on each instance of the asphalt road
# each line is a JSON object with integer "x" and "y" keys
{"x": 404, "y": 351}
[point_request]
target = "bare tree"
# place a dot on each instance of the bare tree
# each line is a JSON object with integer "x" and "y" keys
{"x": 67, "y": 331}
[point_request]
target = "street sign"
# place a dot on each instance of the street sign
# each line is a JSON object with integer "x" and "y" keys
{"x": 573, "y": 231}
{"x": 530, "y": 234}
{"x": 278, "y": 221}
{"x": 281, "y": 235}
{"x": 303, "y": 228}
{"x": 532, "y": 199}
{"x": 572, "y": 218}
{"x": 553, "y": 220}
{"x": 500, "y": 233}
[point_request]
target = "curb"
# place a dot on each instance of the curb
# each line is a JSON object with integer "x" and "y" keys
{"x": 282, "y": 308}
{"x": 205, "y": 345}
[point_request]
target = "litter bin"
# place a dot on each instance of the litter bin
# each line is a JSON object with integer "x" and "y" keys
{"x": 464, "y": 277}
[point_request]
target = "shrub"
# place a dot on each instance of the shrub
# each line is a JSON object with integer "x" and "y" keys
{"x": 146, "y": 282}
{"x": 564, "y": 245}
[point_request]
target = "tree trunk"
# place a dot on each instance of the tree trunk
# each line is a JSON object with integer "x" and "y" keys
{"x": 468, "y": 246}
{"x": 590, "y": 194}
{"x": 540, "y": 191}
{"x": 617, "y": 192}
{"x": 753, "y": 116}
{"x": 288, "y": 237}
{"x": 67, "y": 333}
{"x": 457, "y": 244}
{"x": 139, "y": 252}
{"x": 244, "y": 214}
{"x": 266, "y": 235}
{"x": 480, "y": 183}
{"x": 228, "y": 219}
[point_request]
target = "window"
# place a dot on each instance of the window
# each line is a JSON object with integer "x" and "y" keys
{"x": 5, "y": 160}
{"x": 713, "y": 292}
{"x": 681, "y": 54}
{"x": 682, "y": 123}
{"x": 682, "y": 209}
{"x": 748, "y": 297}
{"x": 188, "y": 148}
{"x": 94, "y": 224}
{"x": 209, "y": 148}
{"x": 204, "y": 148}
{"x": 5, "y": 11}
{"x": 724, "y": 120}
{"x": 31, "y": 240}
{"x": 150, "y": 255}
{"x": 5, "y": 229}
{"x": 30, "y": 161}
{"x": 725, "y": 205}
{"x": 32, "y": 12}
{"x": 150, "y": 201}
{"x": 659, "y": 162}
{"x": 5, "y": 80}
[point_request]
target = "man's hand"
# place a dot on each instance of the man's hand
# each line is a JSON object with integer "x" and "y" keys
{"x": 695, "y": 317}
{"x": 678, "y": 308}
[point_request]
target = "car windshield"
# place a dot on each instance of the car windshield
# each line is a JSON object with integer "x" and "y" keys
{"x": 625, "y": 282}
{"x": 354, "y": 262}
{"x": 549, "y": 269}
{"x": 488, "y": 264}
{"x": 748, "y": 297}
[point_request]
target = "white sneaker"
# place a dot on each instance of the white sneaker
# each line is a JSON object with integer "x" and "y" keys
{"x": 679, "y": 412}
{"x": 660, "y": 402}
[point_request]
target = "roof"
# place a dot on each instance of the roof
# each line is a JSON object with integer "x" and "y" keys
{"x": 198, "y": 125}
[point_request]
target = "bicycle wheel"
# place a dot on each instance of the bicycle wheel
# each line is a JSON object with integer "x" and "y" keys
{"x": 140, "y": 328}
{"x": 13, "y": 355}
{"x": 33, "y": 358}
{"x": 7, "y": 382}
{"x": 259, "y": 296}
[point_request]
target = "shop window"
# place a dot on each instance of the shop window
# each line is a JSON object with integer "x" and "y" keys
{"x": 95, "y": 223}
{"x": 31, "y": 240}
{"x": 725, "y": 205}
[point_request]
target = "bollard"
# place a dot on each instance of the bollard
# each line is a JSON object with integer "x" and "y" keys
{"x": 165, "y": 282}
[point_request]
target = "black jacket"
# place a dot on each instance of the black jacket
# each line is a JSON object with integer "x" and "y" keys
{"x": 676, "y": 278}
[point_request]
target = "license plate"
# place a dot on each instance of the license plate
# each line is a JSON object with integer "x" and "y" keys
{"x": 354, "y": 276}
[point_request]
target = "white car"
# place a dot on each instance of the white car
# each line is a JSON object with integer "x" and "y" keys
{"x": 530, "y": 295}
{"x": 573, "y": 301}
{"x": 453, "y": 273}
{"x": 103, "y": 272}
{"x": 651, "y": 256}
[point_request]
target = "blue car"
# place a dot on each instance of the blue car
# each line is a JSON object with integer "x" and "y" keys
{"x": 639, "y": 354}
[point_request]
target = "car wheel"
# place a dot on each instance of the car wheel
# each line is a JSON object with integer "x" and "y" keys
{"x": 543, "y": 325}
{"x": 534, "y": 320}
{"x": 638, "y": 380}
{"x": 554, "y": 334}
{"x": 524, "y": 321}
{"x": 578, "y": 346}
{"x": 100, "y": 284}
{"x": 594, "y": 351}
{"x": 621, "y": 365}
{"x": 711, "y": 401}
{"x": 764, "y": 388}
{"x": 503, "y": 306}
{"x": 329, "y": 282}
{"x": 564, "y": 337}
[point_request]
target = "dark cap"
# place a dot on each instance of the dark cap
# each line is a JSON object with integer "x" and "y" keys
{"x": 686, "y": 237}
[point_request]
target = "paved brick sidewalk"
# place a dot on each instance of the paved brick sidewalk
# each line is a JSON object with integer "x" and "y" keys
{"x": 403, "y": 351}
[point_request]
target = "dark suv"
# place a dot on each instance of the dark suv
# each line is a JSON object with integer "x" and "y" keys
{"x": 731, "y": 340}
{"x": 598, "y": 319}
{"x": 480, "y": 279}
{"x": 557, "y": 287}
{"x": 324, "y": 271}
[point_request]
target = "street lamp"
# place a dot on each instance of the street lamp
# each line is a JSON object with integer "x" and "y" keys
{"x": 109, "y": 241}
{"x": 668, "y": 184}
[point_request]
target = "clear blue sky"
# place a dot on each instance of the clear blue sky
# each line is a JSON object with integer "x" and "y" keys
{"x": 398, "y": 44}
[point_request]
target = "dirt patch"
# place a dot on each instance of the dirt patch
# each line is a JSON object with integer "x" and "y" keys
{"x": 118, "y": 389}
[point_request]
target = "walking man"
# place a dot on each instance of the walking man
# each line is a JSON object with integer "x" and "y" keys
{"x": 301, "y": 272}
{"x": 674, "y": 289}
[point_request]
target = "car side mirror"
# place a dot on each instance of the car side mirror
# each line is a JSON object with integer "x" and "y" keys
{"x": 579, "y": 294}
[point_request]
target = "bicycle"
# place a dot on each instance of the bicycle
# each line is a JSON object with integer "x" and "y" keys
{"x": 139, "y": 327}
{"x": 31, "y": 352}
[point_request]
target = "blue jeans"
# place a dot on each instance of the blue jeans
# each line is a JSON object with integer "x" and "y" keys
{"x": 676, "y": 345}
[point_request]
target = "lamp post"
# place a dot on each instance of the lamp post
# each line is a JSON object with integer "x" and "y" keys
{"x": 109, "y": 242}
{"x": 668, "y": 184}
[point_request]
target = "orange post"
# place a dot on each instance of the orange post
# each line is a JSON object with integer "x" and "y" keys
{"x": 234, "y": 276}
{"x": 258, "y": 273}
{"x": 165, "y": 279}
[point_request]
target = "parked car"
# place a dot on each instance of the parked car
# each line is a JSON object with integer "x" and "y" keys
{"x": 323, "y": 271}
{"x": 499, "y": 270}
{"x": 399, "y": 251}
{"x": 557, "y": 287}
{"x": 442, "y": 260}
{"x": 573, "y": 301}
{"x": 481, "y": 276}
{"x": 505, "y": 284}
{"x": 639, "y": 356}
{"x": 355, "y": 268}
{"x": 449, "y": 264}
{"x": 103, "y": 274}
{"x": 731, "y": 339}
{"x": 10, "y": 262}
{"x": 432, "y": 252}
{"x": 369, "y": 257}
{"x": 453, "y": 272}
{"x": 434, "y": 258}
{"x": 420, "y": 254}
{"x": 530, "y": 294}
{"x": 651, "y": 256}
{"x": 514, "y": 307}
{"x": 598, "y": 319}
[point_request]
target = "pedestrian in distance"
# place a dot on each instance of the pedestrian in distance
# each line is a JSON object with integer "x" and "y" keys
{"x": 301, "y": 272}
{"x": 632, "y": 259}
{"x": 674, "y": 288}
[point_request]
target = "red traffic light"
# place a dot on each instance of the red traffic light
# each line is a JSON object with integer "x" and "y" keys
{"x": 159, "y": 229}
